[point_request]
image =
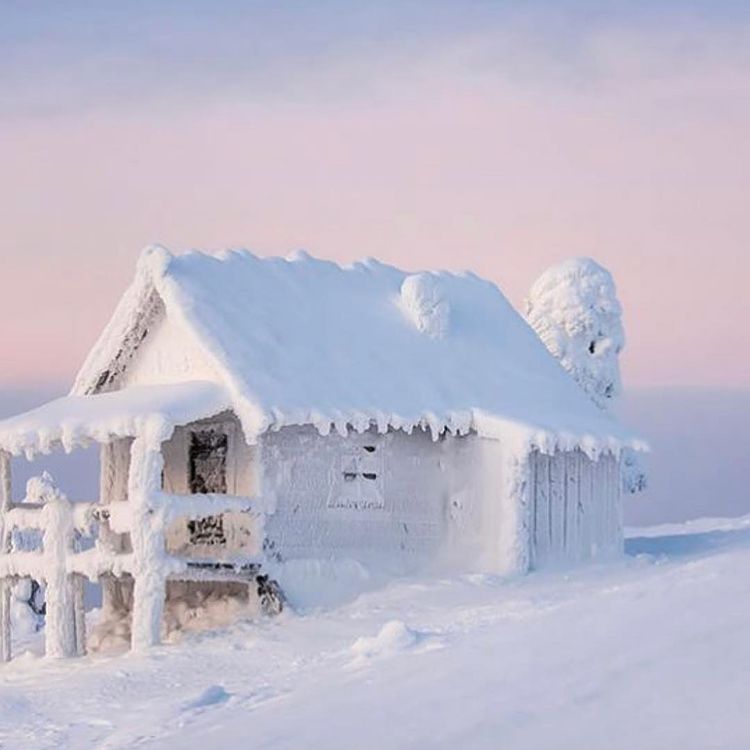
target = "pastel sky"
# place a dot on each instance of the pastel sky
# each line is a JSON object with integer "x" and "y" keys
{"x": 496, "y": 136}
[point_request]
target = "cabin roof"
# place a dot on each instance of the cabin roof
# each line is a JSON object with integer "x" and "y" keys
{"x": 301, "y": 340}
{"x": 77, "y": 421}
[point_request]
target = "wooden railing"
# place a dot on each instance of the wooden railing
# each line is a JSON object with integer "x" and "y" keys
{"x": 64, "y": 559}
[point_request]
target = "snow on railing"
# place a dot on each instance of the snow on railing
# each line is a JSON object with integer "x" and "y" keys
{"x": 57, "y": 520}
{"x": 173, "y": 507}
{"x": 63, "y": 566}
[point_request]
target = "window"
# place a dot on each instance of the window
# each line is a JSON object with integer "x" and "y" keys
{"x": 207, "y": 462}
{"x": 359, "y": 483}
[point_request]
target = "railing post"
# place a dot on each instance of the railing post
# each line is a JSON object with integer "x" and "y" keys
{"x": 60, "y": 627}
{"x": 79, "y": 614}
{"x": 147, "y": 537}
{"x": 5, "y": 583}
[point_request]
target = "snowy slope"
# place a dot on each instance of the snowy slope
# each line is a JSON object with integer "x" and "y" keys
{"x": 648, "y": 653}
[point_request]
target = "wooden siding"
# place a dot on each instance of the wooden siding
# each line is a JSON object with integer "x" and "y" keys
{"x": 576, "y": 508}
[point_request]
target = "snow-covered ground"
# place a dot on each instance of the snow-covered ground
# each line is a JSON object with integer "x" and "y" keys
{"x": 650, "y": 652}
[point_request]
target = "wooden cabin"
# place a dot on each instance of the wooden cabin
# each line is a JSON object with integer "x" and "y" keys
{"x": 257, "y": 417}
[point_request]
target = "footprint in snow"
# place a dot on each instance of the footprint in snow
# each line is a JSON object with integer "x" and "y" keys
{"x": 213, "y": 695}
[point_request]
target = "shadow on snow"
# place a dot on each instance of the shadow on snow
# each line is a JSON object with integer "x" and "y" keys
{"x": 683, "y": 545}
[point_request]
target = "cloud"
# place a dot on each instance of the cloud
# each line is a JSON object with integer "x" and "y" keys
{"x": 503, "y": 140}
{"x": 62, "y": 58}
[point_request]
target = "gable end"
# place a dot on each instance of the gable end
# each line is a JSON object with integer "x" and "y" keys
{"x": 109, "y": 378}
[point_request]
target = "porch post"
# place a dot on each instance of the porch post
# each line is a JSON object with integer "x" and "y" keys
{"x": 60, "y": 629}
{"x": 5, "y": 583}
{"x": 147, "y": 536}
{"x": 79, "y": 613}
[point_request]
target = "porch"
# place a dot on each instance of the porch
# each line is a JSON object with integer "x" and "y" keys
{"x": 125, "y": 540}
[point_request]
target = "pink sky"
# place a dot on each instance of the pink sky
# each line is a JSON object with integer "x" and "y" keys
{"x": 643, "y": 164}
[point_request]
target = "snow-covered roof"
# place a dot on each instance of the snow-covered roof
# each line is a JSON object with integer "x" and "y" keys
{"x": 75, "y": 421}
{"x": 307, "y": 341}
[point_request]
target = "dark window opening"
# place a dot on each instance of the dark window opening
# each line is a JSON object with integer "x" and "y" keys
{"x": 350, "y": 476}
{"x": 592, "y": 347}
{"x": 369, "y": 448}
{"x": 369, "y": 475}
{"x": 208, "y": 462}
{"x": 207, "y": 459}
{"x": 208, "y": 530}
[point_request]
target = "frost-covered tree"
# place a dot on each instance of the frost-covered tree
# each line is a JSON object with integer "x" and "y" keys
{"x": 574, "y": 309}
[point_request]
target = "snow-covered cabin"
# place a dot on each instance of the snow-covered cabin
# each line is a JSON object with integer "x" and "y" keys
{"x": 263, "y": 416}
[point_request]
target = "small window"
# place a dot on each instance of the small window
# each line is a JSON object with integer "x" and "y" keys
{"x": 208, "y": 462}
{"x": 207, "y": 458}
{"x": 361, "y": 468}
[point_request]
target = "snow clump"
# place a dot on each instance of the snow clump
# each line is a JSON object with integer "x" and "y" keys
{"x": 395, "y": 636}
{"x": 425, "y": 304}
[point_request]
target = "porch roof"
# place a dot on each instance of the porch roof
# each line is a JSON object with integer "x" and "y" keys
{"x": 78, "y": 421}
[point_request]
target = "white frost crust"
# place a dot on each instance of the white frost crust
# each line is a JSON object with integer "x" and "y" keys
{"x": 303, "y": 341}
{"x": 77, "y": 421}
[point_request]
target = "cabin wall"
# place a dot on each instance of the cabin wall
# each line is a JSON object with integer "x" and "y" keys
{"x": 576, "y": 508}
{"x": 393, "y": 502}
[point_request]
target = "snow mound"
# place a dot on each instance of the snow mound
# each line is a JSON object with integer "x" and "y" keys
{"x": 424, "y": 302}
{"x": 574, "y": 309}
{"x": 311, "y": 584}
{"x": 24, "y": 621}
{"x": 394, "y": 637}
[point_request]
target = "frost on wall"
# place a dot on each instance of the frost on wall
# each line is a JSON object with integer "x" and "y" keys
{"x": 634, "y": 477}
{"x": 360, "y": 484}
{"x": 574, "y": 309}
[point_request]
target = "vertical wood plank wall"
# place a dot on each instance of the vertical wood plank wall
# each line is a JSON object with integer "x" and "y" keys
{"x": 576, "y": 509}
